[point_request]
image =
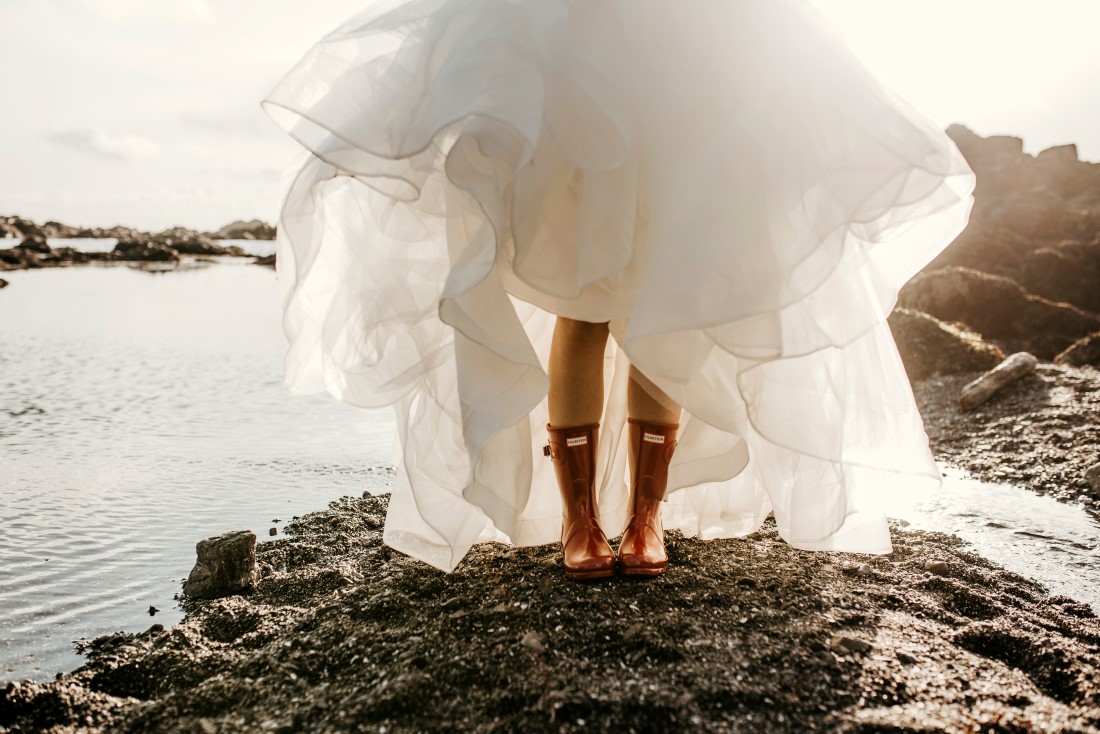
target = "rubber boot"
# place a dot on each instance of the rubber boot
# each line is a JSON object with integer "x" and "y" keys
{"x": 586, "y": 553}
{"x": 642, "y": 549}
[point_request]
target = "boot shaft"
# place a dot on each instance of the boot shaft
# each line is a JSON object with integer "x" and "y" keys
{"x": 573, "y": 453}
{"x": 651, "y": 449}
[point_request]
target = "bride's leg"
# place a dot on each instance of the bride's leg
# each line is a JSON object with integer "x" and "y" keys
{"x": 576, "y": 372}
{"x": 653, "y": 424}
{"x": 576, "y": 404}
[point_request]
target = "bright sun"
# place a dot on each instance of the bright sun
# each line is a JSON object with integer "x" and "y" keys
{"x": 997, "y": 65}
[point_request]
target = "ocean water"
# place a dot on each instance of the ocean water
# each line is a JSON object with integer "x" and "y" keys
{"x": 141, "y": 411}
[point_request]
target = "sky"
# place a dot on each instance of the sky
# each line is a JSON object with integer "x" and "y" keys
{"x": 146, "y": 112}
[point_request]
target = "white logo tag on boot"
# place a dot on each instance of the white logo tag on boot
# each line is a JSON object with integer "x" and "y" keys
{"x": 653, "y": 438}
{"x": 578, "y": 441}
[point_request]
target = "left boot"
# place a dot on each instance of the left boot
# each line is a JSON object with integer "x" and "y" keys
{"x": 642, "y": 548}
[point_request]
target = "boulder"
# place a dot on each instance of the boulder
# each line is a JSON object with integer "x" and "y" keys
{"x": 999, "y": 309}
{"x": 931, "y": 347}
{"x": 1084, "y": 351}
{"x": 1068, "y": 272}
{"x": 226, "y": 564}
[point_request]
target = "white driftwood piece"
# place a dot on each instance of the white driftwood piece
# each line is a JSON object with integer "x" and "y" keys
{"x": 1011, "y": 369}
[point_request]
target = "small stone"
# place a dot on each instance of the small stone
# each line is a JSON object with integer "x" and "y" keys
{"x": 864, "y": 569}
{"x": 152, "y": 610}
{"x": 273, "y": 531}
{"x": 843, "y": 645}
{"x": 1092, "y": 476}
{"x": 533, "y": 642}
{"x": 905, "y": 658}
{"x": 226, "y": 565}
{"x": 206, "y": 726}
{"x": 937, "y": 567}
{"x": 156, "y": 628}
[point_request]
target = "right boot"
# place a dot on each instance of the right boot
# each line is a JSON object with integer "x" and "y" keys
{"x": 586, "y": 553}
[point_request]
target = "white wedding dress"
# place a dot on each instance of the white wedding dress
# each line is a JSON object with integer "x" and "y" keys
{"x": 721, "y": 180}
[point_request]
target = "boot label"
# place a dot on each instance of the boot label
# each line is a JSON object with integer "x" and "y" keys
{"x": 653, "y": 437}
{"x": 578, "y": 441}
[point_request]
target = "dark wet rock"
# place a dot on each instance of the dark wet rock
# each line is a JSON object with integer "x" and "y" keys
{"x": 1084, "y": 351}
{"x": 930, "y": 347}
{"x": 999, "y": 309}
{"x": 268, "y": 260}
{"x": 18, "y": 258}
{"x": 1068, "y": 272}
{"x": 240, "y": 230}
{"x": 1092, "y": 476}
{"x": 36, "y": 245}
{"x": 4, "y": 283}
{"x": 190, "y": 242}
{"x": 143, "y": 250}
{"x": 226, "y": 565}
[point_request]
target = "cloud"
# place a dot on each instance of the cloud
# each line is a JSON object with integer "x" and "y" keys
{"x": 96, "y": 142}
{"x": 249, "y": 125}
{"x": 145, "y": 11}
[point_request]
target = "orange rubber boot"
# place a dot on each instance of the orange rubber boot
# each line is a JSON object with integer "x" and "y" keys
{"x": 642, "y": 549}
{"x": 586, "y": 553}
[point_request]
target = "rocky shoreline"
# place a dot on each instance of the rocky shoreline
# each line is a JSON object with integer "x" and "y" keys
{"x": 168, "y": 246}
{"x": 339, "y": 633}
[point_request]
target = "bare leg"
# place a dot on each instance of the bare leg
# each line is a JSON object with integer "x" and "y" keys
{"x": 576, "y": 372}
{"x": 647, "y": 402}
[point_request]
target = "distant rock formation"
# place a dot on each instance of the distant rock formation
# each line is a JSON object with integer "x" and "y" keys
{"x": 240, "y": 230}
{"x": 1025, "y": 273}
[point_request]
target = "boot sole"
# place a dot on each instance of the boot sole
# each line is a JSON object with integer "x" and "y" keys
{"x": 597, "y": 573}
{"x": 642, "y": 570}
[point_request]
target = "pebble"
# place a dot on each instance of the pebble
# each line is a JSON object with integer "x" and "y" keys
{"x": 843, "y": 644}
{"x": 273, "y": 531}
{"x": 533, "y": 642}
{"x": 906, "y": 659}
{"x": 937, "y": 567}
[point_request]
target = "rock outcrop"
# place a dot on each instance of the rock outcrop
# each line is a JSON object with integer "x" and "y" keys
{"x": 999, "y": 309}
{"x": 240, "y": 230}
{"x": 1085, "y": 351}
{"x": 931, "y": 347}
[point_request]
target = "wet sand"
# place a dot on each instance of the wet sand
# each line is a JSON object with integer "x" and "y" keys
{"x": 747, "y": 634}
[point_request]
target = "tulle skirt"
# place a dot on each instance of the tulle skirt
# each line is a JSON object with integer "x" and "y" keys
{"x": 720, "y": 180}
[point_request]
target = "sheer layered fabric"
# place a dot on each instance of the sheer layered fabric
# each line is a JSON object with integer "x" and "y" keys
{"x": 722, "y": 181}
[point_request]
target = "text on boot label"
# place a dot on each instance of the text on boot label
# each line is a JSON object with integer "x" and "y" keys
{"x": 653, "y": 438}
{"x": 578, "y": 441}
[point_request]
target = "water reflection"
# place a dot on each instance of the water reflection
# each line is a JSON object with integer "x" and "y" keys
{"x": 140, "y": 413}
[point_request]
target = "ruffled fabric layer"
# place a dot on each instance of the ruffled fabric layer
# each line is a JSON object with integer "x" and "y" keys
{"x": 721, "y": 181}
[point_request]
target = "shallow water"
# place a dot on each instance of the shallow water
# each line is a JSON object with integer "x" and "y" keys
{"x": 141, "y": 412}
